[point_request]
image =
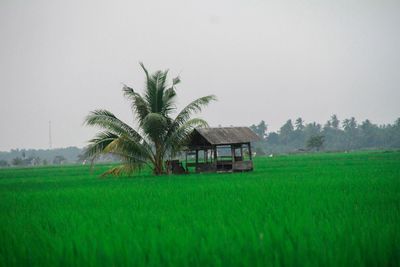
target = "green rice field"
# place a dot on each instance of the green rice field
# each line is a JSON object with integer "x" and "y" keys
{"x": 331, "y": 209}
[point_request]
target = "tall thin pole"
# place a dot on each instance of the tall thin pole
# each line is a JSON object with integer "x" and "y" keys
{"x": 50, "y": 143}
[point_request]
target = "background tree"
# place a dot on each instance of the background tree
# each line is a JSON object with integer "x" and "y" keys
{"x": 312, "y": 129}
{"x": 261, "y": 131}
{"x": 158, "y": 136}
{"x": 299, "y": 123}
{"x": 369, "y": 135}
{"x": 394, "y": 134}
{"x": 351, "y": 133}
{"x": 315, "y": 142}
{"x": 298, "y": 134}
{"x": 273, "y": 138}
{"x": 286, "y": 132}
{"x": 59, "y": 160}
{"x": 17, "y": 161}
{"x": 334, "y": 121}
{"x": 3, "y": 163}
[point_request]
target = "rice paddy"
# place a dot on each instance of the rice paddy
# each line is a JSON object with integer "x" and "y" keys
{"x": 332, "y": 209}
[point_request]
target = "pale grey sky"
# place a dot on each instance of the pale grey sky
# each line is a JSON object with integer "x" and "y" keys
{"x": 269, "y": 60}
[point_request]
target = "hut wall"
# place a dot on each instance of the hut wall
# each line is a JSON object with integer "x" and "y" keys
{"x": 243, "y": 165}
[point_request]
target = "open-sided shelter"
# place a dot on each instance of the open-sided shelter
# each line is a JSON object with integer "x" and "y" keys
{"x": 220, "y": 149}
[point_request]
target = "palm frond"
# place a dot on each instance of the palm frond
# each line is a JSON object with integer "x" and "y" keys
{"x": 107, "y": 120}
{"x": 144, "y": 69}
{"x": 134, "y": 155}
{"x": 155, "y": 126}
{"x": 194, "y": 107}
{"x": 176, "y": 80}
{"x": 98, "y": 144}
{"x": 127, "y": 148}
{"x": 155, "y": 90}
{"x": 179, "y": 137}
{"x": 138, "y": 104}
{"x": 168, "y": 101}
{"x": 122, "y": 169}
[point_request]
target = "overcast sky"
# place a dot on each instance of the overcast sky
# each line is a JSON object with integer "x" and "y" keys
{"x": 265, "y": 60}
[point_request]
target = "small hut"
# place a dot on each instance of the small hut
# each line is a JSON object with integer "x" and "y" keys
{"x": 220, "y": 149}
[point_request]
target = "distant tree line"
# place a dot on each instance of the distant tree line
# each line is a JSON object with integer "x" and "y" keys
{"x": 44, "y": 157}
{"x": 40, "y": 157}
{"x": 334, "y": 135}
{"x": 297, "y": 136}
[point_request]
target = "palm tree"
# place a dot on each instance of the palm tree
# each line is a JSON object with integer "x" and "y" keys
{"x": 158, "y": 135}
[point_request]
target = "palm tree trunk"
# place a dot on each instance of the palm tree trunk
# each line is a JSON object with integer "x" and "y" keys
{"x": 158, "y": 162}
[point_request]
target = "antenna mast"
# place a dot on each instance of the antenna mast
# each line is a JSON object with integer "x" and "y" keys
{"x": 50, "y": 144}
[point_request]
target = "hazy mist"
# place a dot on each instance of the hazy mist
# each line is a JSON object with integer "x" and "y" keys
{"x": 265, "y": 60}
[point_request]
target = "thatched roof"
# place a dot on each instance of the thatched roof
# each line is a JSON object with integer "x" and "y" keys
{"x": 225, "y": 135}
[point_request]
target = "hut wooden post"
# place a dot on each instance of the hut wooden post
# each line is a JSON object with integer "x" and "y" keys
{"x": 197, "y": 159}
{"x": 250, "y": 153}
{"x": 233, "y": 155}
